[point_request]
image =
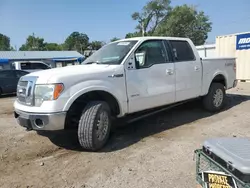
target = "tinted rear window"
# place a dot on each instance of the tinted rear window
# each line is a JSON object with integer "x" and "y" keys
{"x": 183, "y": 49}
{"x": 20, "y": 73}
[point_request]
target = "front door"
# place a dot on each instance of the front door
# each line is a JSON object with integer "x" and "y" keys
{"x": 188, "y": 70}
{"x": 152, "y": 82}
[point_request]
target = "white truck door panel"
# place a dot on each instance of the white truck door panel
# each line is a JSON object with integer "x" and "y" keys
{"x": 152, "y": 84}
{"x": 188, "y": 71}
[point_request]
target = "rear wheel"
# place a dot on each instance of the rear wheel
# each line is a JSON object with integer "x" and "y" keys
{"x": 215, "y": 99}
{"x": 94, "y": 125}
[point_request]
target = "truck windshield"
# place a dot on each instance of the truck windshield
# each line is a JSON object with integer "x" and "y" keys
{"x": 113, "y": 53}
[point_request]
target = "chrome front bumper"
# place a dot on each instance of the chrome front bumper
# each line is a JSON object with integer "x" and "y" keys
{"x": 48, "y": 122}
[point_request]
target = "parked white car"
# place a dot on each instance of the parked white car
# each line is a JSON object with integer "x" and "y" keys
{"x": 30, "y": 66}
{"x": 123, "y": 79}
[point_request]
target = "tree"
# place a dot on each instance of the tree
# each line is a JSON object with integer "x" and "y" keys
{"x": 77, "y": 41}
{"x": 4, "y": 43}
{"x": 151, "y": 16}
{"x": 186, "y": 21}
{"x": 33, "y": 44}
{"x": 130, "y": 35}
{"x": 96, "y": 45}
{"x": 114, "y": 39}
{"x": 12, "y": 48}
{"x": 53, "y": 47}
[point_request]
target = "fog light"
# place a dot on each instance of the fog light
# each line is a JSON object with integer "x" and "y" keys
{"x": 39, "y": 123}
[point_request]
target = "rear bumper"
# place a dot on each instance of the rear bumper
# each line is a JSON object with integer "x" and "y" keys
{"x": 235, "y": 83}
{"x": 48, "y": 121}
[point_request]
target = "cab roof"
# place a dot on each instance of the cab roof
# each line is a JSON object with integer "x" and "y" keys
{"x": 154, "y": 37}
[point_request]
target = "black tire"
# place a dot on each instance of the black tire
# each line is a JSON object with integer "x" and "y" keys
{"x": 209, "y": 101}
{"x": 88, "y": 135}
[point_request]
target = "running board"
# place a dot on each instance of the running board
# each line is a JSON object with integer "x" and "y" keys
{"x": 140, "y": 115}
{"x": 154, "y": 112}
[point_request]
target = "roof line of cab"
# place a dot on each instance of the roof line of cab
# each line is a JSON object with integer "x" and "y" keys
{"x": 152, "y": 37}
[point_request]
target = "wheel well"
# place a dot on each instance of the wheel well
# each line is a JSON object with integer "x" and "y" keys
{"x": 75, "y": 110}
{"x": 219, "y": 79}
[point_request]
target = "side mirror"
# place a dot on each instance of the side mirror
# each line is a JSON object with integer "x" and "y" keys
{"x": 131, "y": 65}
{"x": 140, "y": 59}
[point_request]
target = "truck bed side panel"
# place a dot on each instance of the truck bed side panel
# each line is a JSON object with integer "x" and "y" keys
{"x": 218, "y": 66}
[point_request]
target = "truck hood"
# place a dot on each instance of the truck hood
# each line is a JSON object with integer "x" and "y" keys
{"x": 70, "y": 72}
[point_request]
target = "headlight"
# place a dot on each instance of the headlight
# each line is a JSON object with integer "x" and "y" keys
{"x": 47, "y": 92}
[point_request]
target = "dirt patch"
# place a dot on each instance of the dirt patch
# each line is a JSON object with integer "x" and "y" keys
{"x": 154, "y": 152}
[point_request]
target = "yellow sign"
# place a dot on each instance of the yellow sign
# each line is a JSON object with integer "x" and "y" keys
{"x": 218, "y": 180}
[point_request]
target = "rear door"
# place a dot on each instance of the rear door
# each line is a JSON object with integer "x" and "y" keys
{"x": 188, "y": 70}
{"x": 152, "y": 82}
{"x": 8, "y": 81}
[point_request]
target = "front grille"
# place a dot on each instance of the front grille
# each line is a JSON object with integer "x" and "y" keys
{"x": 23, "y": 83}
{"x": 25, "y": 90}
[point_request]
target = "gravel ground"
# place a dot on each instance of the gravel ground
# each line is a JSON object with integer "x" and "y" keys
{"x": 154, "y": 152}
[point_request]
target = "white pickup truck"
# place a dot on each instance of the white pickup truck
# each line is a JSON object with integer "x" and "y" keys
{"x": 126, "y": 78}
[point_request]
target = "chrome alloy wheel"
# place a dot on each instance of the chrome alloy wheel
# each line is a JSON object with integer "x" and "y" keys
{"x": 102, "y": 125}
{"x": 218, "y": 98}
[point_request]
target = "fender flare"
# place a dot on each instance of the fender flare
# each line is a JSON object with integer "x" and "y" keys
{"x": 217, "y": 74}
{"x": 81, "y": 92}
{"x": 207, "y": 84}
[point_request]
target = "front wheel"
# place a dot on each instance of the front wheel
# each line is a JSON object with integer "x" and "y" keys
{"x": 215, "y": 99}
{"x": 94, "y": 125}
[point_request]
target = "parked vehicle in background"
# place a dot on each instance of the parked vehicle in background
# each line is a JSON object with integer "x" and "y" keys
{"x": 30, "y": 66}
{"x": 124, "y": 79}
{"x": 9, "y": 80}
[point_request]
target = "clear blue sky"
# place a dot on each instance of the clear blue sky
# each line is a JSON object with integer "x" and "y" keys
{"x": 54, "y": 20}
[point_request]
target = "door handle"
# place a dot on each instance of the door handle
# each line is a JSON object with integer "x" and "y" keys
{"x": 116, "y": 75}
{"x": 169, "y": 71}
{"x": 196, "y": 68}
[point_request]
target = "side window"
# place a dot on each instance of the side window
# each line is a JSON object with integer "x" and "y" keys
{"x": 25, "y": 66}
{"x": 182, "y": 50}
{"x": 43, "y": 66}
{"x": 39, "y": 66}
{"x": 150, "y": 53}
{"x": 7, "y": 74}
